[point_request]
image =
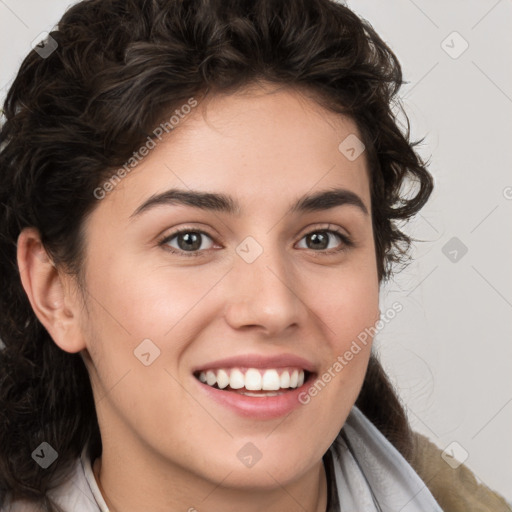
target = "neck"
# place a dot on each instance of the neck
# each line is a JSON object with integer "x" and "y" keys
{"x": 307, "y": 493}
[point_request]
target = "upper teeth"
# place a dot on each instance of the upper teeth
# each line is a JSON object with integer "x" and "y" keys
{"x": 253, "y": 379}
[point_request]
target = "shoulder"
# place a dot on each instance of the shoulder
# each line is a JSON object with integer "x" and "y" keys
{"x": 455, "y": 489}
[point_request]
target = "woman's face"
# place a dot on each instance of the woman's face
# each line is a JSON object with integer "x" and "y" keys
{"x": 260, "y": 287}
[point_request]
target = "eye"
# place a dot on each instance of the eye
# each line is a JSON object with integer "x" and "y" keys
{"x": 319, "y": 240}
{"x": 188, "y": 241}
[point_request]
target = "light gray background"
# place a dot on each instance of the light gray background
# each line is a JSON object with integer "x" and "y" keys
{"x": 449, "y": 351}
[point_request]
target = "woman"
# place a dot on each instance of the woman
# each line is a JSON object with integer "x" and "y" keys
{"x": 198, "y": 209}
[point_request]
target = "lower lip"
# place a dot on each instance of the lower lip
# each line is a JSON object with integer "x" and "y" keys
{"x": 264, "y": 407}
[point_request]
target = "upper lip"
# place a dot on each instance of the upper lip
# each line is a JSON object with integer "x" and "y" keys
{"x": 258, "y": 361}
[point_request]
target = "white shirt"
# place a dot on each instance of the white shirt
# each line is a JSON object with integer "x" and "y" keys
{"x": 371, "y": 476}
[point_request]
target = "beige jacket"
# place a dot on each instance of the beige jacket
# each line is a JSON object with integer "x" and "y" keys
{"x": 456, "y": 490}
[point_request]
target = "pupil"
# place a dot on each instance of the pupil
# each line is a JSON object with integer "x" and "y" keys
{"x": 192, "y": 241}
{"x": 321, "y": 237}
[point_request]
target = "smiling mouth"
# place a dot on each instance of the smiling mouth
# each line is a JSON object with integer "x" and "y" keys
{"x": 254, "y": 381}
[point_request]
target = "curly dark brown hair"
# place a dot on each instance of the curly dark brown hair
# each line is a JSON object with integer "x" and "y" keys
{"x": 72, "y": 117}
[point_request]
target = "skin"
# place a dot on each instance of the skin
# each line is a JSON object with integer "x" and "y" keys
{"x": 166, "y": 446}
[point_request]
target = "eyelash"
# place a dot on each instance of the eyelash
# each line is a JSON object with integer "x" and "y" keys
{"x": 347, "y": 242}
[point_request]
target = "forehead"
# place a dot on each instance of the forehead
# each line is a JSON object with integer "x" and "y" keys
{"x": 267, "y": 144}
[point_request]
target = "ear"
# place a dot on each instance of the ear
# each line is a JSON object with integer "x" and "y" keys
{"x": 52, "y": 293}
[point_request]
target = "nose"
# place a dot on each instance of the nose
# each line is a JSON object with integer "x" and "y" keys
{"x": 264, "y": 294}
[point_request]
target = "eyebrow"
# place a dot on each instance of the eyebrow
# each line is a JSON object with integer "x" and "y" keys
{"x": 319, "y": 201}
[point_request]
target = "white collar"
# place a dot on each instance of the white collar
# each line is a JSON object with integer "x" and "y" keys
{"x": 372, "y": 475}
{"x": 91, "y": 480}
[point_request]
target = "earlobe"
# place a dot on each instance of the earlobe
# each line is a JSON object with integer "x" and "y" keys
{"x": 49, "y": 292}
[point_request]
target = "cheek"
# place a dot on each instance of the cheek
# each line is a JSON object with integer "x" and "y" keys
{"x": 349, "y": 309}
{"x": 138, "y": 301}
{"x": 132, "y": 318}
{"x": 348, "y": 304}
{"x": 140, "y": 326}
